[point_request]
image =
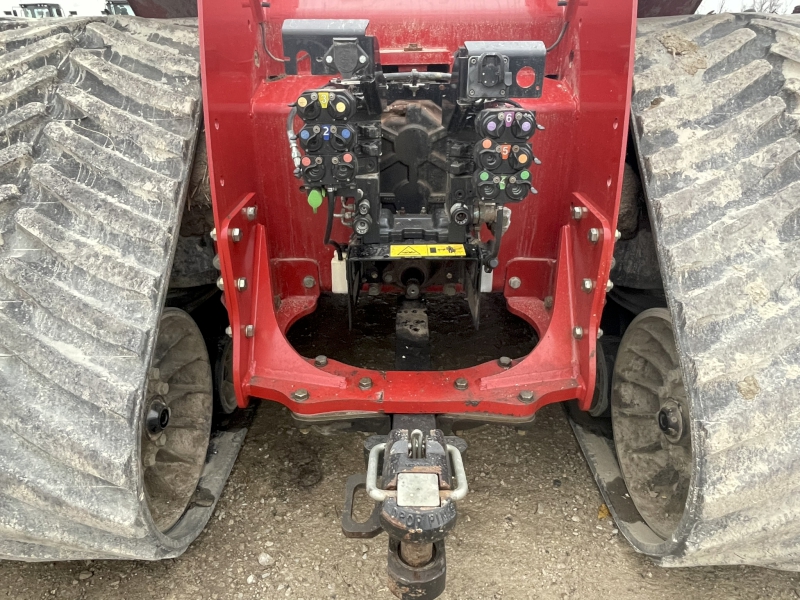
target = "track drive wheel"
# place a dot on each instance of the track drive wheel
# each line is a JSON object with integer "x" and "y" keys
{"x": 176, "y": 423}
{"x": 649, "y": 411}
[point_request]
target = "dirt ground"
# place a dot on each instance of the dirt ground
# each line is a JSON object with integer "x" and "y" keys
{"x": 528, "y": 529}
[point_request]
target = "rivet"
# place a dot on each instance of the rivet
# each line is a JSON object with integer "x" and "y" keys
{"x": 362, "y": 59}
{"x": 461, "y": 384}
{"x": 514, "y": 283}
{"x": 229, "y": 331}
{"x": 577, "y": 332}
{"x": 300, "y": 394}
{"x": 364, "y": 383}
{"x": 215, "y": 262}
{"x": 329, "y": 59}
{"x": 617, "y": 234}
{"x": 236, "y": 234}
{"x": 250, "y": 212}
{"x": 526, "y": 396}
{"x": 249, "y": 331}
{"x": 504, "y": 361}
{"x": 609, "y": 285}
{"x": 321, "y": 361}
{"x": 220, "y": 284}
{"x": 241, "y": 284}
{"x": 594, "y": 235}
{"x": 309, "y": 282}
{"x": 587, "y": 285}
{"x": 599, "y": 333}
{"x": 213, "y": 234}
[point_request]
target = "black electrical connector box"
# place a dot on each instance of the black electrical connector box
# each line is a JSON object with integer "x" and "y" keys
{"x": 500, "y": 70}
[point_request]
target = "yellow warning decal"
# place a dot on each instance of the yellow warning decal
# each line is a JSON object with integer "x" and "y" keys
{"x": 427, "y": 250}
{"x": 323, "y": 99}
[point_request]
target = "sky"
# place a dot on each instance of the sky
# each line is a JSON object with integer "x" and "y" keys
{"x": 735, "y": 5}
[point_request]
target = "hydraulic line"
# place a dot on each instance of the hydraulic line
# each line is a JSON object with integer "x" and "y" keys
{"x": 293, "y": 141}
{"x": 331, "y": 195}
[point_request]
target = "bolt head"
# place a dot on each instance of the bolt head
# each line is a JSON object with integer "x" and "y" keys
{"x": 309, "y": 282}
{"x": 577, "y": 332}
{"x": 594, "y": 235}
{"x": 526, "y": 396}
{"x": 599, "y": 333}
{"x": 300, "y": 394}
{"x": 577, "y": 212}
{"x": 213, "y": 234}
{"x": 504, "y": 361}
{"x": 221, "y": 284}
{"x": 229, "y": 331}
{"x": 362, "y": 59}
{"x": 587, "y": 285}
{"x": 250, "y": 213}
{"x": 364, "y": 383}
{"x": 241, "y": 284}
{"x": 548, "y": 302}
{"x": 329, "y": 59}
{"x": 321, "y": 361}
{"x": 236, "y": 234}
{"x": 617, "y": 234}
{"x": 215, "y": 262}
{"x": 514, "y": 283}
{"x": 609, "y": 285}
{"x": 249, "y": 331}
{"x": 461, "y": 384}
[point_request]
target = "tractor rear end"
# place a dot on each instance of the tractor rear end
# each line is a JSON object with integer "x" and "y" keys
{"x": 430, "y": 160}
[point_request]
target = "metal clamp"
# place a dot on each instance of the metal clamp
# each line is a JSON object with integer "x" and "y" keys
{"x": 380, "y": 495}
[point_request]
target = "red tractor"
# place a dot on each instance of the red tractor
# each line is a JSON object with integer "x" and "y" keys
{"x": 594, "y": 173}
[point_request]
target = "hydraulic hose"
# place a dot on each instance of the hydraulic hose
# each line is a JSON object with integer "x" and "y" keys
{"x": 293, "y": 141}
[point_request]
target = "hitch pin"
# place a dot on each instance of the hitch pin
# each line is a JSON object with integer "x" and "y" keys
{"x": 380, "y": 495}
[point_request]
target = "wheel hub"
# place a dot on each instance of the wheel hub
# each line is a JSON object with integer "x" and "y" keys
{"x": 670, "y": 421}
{"x": 157, "y": 419}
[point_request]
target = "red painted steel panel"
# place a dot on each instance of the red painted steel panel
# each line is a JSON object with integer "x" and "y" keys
{"x": 584, "y": 108}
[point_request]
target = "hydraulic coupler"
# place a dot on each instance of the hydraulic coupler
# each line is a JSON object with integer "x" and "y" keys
{"x": 417, "y": 475}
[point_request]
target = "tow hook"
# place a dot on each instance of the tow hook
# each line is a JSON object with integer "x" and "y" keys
{"x": 415, "y": 475}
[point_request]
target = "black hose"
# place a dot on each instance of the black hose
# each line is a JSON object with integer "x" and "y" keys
{"x": 560, "y": 37}
{"x": 329, "y": 225}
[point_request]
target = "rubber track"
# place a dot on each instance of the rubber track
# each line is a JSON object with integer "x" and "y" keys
{"x": 98, "y": 125}
{"x": 715, "y": 111}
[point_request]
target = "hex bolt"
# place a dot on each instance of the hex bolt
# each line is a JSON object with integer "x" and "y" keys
{"x": 587, "y": 285}
{"x": 213, "y": 234}
{"x": 236, "y": 234}
{"x": 309, "y": 282}
{"x": 504, "y": 361}
{"x": 300, "y": 394}
{"x": 548, "y": 302}
{"x": 249, "y": 331}
{"x": 617, "y": 234}
{"x": 250, "y": 213}
{"x": 221, "y": 284}
{"x": 526, "y": 396}
{"x": 577, "y": 212}
{"x": 609, "y": 286}
{"x": 241, "y": 284}
{"x": 577, "y": 332}
{"x": 594, "y": 235}
{"x": 321, "y": 361}
{"x": 514, "y": 283}
{"x": 364, "y": 383}
{"x": 461, "y": 384}
{"x": 599, "y": 333}
{"x": 229, "y": 331}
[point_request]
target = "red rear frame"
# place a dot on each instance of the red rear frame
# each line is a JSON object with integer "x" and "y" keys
{"x": 584, "y": 107}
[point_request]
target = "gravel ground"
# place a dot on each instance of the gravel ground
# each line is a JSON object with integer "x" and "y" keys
{"x": 529, "y": 528}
